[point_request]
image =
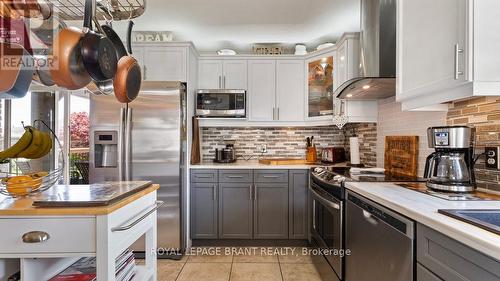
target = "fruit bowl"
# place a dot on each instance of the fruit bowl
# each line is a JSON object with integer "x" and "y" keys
{"x": 34, "y": 144}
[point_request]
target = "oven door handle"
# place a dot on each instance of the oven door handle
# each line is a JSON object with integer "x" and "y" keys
{"x": 323, "y": 200}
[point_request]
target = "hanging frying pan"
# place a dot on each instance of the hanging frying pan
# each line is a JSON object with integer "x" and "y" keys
{"x": 67, "y": 69}
{"x": 15, "y": 71}
{"x": 98, "y": 52}
{"x": 127, "y": 83}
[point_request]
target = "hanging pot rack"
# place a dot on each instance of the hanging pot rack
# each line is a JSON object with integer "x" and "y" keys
{"x": 116, "y": 10}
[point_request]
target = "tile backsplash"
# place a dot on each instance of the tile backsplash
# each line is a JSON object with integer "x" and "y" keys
{"x": 483, "y": 113}
{"x": 288, "y": 142}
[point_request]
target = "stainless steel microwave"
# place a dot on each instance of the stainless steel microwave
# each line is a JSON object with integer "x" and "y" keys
{"x": 221, "y": 103}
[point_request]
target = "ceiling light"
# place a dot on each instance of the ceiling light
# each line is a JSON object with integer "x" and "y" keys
{"x": 366, "y": 87}
{"x": 348, "y": 96}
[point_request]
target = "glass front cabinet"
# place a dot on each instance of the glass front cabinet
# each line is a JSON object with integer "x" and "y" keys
{"x": 321, "y": 85}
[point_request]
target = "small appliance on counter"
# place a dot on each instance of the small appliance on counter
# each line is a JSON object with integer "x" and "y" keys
{"x": 226, "y": 154}
{"x": 333, "y": 155}
{"x": 451, "y": 167}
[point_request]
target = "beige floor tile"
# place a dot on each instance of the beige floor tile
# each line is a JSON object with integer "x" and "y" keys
{"x": 309, "y": 272}
{"x": 255, "y": 254}
{"x": 294, "y": 255}
{"x": 205, "y": 271}
{"x": 256, "y": 272}
{"x": 168, "y": 271}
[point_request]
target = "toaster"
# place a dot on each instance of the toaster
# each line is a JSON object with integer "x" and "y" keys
{"x": 332, "y": 155}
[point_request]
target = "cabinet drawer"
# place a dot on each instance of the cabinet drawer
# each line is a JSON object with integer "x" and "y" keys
{"x": 425, "y": 275}
{"x": 203, "y": 175}
{"x": 271, "y": 176}
{"x": 235, "y": 175}
{"x": 452, "y": 260}
{"x": 65, "y": 235}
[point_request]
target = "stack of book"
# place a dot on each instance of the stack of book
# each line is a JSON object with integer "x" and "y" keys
{"x": 85, "y": 269}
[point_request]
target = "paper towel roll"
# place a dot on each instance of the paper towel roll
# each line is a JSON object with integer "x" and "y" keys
{"x": 354, "y": 148}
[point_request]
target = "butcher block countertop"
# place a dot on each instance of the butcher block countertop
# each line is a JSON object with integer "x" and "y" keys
{"x": 24, "y": 206}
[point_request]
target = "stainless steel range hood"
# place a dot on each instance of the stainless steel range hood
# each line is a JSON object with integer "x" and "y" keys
{"x": 377, "y": 53}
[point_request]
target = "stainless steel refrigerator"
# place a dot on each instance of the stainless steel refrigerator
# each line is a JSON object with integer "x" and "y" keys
{"x": 144, "y": 140}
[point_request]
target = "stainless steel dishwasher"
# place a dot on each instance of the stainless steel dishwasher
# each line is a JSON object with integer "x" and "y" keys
{"x": 381, "y": 242}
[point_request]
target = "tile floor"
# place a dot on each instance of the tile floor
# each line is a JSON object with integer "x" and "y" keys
{"x": 246, "y": 264}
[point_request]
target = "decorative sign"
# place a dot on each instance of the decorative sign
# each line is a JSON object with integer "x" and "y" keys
{"x": 268, "y": 49}
{"x": 152, "y": 36}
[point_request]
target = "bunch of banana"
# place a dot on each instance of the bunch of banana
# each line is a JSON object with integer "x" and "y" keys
{"x": 33, "y": 144}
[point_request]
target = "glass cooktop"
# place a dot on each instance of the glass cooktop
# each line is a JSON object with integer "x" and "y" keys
{"x": 337, "y": 174}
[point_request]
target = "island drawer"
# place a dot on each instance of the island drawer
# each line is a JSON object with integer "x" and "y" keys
{"x": 229, "y": 176}
{"x": 59, "y": 235}
{"x": 203, "y": 175}
{"x": 271, "y": 176}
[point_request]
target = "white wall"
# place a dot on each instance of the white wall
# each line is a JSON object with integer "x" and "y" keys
{"x": 393, "y": 122}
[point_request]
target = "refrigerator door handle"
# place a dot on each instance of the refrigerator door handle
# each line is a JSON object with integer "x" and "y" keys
{"x": 121, "y": 144}
{"x": 128, "y": 145}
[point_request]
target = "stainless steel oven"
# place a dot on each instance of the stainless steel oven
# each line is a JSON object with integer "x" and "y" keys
{"x": 327, "y": 225}
{"x": 221, "y": 103}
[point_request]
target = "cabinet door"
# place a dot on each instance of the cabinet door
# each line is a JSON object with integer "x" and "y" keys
{"x": 235, "y": 74}
{"x": 271, "y": 211}
{"x": 290, "y": 81}
{"x": 210, "y": 74}
{"x": 341, "y": 65}
{"x": 165, "y": 64}
{"x": 261, "y": 89}
{"x": 427, "y": 35}
{"x": 297, "y": 200}
{"x": 203, "y": 210}
{"x": 235, "y": 211}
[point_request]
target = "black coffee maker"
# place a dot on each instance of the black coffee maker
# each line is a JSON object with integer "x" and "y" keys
{"x": 451, "y": 167}
{"x": 225, "y": 155}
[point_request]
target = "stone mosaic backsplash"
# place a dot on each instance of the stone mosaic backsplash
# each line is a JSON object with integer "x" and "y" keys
{"x": 483, "y": 113}
{"x": 288, "y": 142}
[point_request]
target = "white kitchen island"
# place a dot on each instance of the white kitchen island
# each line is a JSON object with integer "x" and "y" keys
{"x": 41, "y": 242}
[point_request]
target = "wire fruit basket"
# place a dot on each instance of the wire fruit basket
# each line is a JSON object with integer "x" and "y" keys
{"x": 24, "y": 180}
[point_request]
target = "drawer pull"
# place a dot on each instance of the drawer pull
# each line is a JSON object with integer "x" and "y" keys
{"x": 129, "y": 226}
{"x": 235, "y": 177}
{"x": 271, "y": 177}
{"x": 35, "y": 237}
{"x": 204, "y": 177}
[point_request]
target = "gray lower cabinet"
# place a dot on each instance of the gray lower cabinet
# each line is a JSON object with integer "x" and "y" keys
{"x": 204, "y": 210}
{"x": 270, "y": 214}
{"x": 249, "y": 204}
{"x": 298, "y": 182}
{"x": 235, "y": 211}
{"x": 451, "y": 260}
{"x": 425, "y": 275}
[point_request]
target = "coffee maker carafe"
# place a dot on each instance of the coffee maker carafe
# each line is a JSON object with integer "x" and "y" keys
{"x": 451, "y": 167}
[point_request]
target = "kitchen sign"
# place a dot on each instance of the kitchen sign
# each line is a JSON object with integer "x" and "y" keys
{"x": 152, "y": 36}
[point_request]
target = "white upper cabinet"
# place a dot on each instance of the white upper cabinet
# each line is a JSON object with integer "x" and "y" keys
{"x": 261, "y": 90}
{"x": 210, "y": 74}
{"x": 165, "y": 64}
{"x": 222, "y": 74}
{"x": 446, "y": 50}
{"x": 290, "y": 79}
{"x": 235, "y": 74}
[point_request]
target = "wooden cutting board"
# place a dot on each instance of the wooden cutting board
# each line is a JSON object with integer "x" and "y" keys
{"x": 401, "y": 155}
{"x": 284, "y": 161}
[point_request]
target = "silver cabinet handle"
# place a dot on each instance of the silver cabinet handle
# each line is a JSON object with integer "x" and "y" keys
{"x": 144, "y": 72}
{"x": 138, "y": 220}
{"x": 250, "y": 192}
{"x": 203, "y": 177}
{"x": 224, "y": 81}
{"x": 371, "y": 219}
{"x": 255, "y": 192}
{"x": 35, "y": 237}
{"x": 274, "y": 113}
{"x": 220, "y": 81}
{"x": 457, "y": 71}
{"x": 277, "y": 113}
{"x": 271, "y": 177}
{"x": 235, "y": 177}
{"x": 215, "y": 192}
